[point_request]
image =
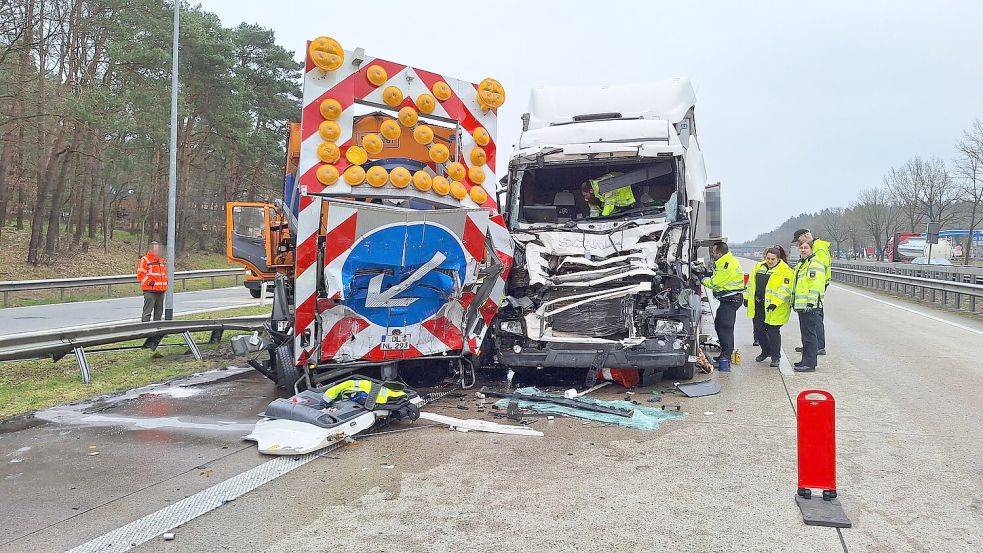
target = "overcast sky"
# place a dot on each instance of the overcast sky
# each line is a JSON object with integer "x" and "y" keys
{"x": 799, "y": 104}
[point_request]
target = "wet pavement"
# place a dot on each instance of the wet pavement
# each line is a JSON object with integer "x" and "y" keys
{"x": 72, "y": 472}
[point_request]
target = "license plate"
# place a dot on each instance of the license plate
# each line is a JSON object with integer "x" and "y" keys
{"x": 395, "y": 340}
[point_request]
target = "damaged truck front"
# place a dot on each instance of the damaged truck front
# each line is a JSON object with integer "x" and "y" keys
{"x": 604, "y": 195}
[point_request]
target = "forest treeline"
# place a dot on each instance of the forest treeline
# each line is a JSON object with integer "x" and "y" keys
{"x": 84, "y": 121}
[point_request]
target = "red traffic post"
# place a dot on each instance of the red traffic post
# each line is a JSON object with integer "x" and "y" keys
{"x": 816, "y": 414}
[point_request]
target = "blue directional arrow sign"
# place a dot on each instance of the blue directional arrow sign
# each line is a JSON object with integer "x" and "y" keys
{"x": 403, "y": 274}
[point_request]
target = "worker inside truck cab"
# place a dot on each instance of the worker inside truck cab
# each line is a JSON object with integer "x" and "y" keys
{"x": 606, "y": 203}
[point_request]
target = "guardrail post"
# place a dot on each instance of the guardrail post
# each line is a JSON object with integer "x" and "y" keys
{"x": 184, "y": 284}
{"x": 6, "y": 298}
{"x": 213, "y": 282}
{"x": 61, "y": 295}
{"x": 262, "y": 293}
{"x": 192, "y": 346}
{"x": 83, "y": 363}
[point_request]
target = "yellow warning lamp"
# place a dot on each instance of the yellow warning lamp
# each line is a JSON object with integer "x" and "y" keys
{"x": 422, "y": 180}
{"x": 408, "y": 116}
{"x": 481, "y": 136}
{"x": 326, "y": 53}
{"x": 423, "y": 135}
{"x": 376, "y": 75}
{"x": 441, "y": 90}
{"x": 327, "y": 174}
{"x": 478, "y": 156}
{"x": 458, "y": 190}
{"x": 400, "y": 177}
{"x": 356, "y": 155}
{"x": 456, "y": 171}
{"x": 426, "y": 103}
{"x": 476, "y": 175}
{"x": 328, "y": 152}
{"x": 377, "y": 176}
{"x": 441, "y": 186}
{"x": 390, "y": 129}
{"x": 439, "y": 153}
{"x": 329, "y": 131}
{"x": 372, "y": 143}
{"x": 491, "y": 94}
{"x": 478, "y": 195}
{"x": 392, "y": 96}
{"x": 330, "y": 109}
{"x": 354, "y": 175}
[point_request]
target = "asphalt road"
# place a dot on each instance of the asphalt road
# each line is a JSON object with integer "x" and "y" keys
{"x": 46, "y": 317}
{"x": 906, "y": 381}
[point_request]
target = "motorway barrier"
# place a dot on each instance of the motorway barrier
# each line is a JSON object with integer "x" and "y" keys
{"x": 58, "y": 343}
{"x": 951, "y": 286}
{"x": 61, "y": 284}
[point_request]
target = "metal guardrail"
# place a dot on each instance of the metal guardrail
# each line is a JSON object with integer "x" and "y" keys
{"x": 949, "y": 285}
{"x": 60, "y": 342}
{"x": 62, "y": 284}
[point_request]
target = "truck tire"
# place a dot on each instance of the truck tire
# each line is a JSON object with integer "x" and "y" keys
{"x": 286, "y": 372}
{"x": 254, "y": 292}
{"x": 683, "y": 372}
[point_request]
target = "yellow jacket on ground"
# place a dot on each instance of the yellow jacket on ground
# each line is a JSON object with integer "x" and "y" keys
{"x": 778, "y": 292}
{"x": 810, "y": 283}
{"x": 727, "y": 276}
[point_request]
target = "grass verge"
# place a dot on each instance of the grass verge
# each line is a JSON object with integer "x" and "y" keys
{"x": 30, "y": 385}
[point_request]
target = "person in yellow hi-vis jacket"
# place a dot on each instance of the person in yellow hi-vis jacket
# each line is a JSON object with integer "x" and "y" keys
{"x": 768, "y": 299}
{"x": 727, "y": 285}
{"x": 808, "y": 288}
{"x": 606, "y": 203}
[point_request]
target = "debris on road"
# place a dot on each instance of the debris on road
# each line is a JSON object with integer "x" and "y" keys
{"x": 480, "y": 425}
{"x": 168, "y": 536}
{"x": 622, "y": 413}
{"x": 707, "y": 387}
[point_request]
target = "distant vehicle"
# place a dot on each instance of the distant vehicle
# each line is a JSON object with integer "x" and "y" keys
{"x": 934, "y": 261}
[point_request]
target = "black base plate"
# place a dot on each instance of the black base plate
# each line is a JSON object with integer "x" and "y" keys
{"x": 816, "y": 512}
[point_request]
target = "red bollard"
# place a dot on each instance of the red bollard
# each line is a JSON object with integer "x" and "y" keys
{"x": 817, "y": 443}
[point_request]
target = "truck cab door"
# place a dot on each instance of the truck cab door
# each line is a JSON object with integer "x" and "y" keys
{"x": 247, "y": 234}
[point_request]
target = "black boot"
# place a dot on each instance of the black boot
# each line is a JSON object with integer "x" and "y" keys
{"x": 775, "y": 363}
{"x": 761, "y": 357}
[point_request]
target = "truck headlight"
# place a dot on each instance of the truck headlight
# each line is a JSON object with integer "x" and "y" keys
{"x": 668, "y": 327}
{"x": 511, "y": 327}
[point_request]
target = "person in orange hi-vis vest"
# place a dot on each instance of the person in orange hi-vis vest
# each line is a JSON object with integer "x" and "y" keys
{"x": 152, "y": 274}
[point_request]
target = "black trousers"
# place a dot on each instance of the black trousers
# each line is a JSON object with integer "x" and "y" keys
{"x": 809, "y": 322}
{"x": 723, "y": 323}
{"x": 153, "y": 305}
{"x": 821, "y": 328}
{"x": 774, "y": 334}
{"x": 758, "y": 323}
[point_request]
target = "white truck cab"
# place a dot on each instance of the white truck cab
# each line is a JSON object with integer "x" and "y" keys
{"x": 603, "y": 199}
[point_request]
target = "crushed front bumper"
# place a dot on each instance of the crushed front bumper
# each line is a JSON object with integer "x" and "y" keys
{"x": 647, "y": 355}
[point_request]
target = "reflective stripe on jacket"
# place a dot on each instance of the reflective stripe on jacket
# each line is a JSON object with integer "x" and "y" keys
{"x": 727, "y": 277}
{"x": 820, "y": 248}
{"x": 778, "y": 292}
{"x": 613, "y": 199}
{"x": 810, "y": 283}
{"x": 152, "y": 269}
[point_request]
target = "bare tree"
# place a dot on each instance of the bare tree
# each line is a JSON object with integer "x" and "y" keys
{"x": 878, "y": 215}
{"x": 923, "y": 191}
{"x": 834, "y": 225}
{"x": 969, "y": 179}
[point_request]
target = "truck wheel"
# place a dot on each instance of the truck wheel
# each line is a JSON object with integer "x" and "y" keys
{"x": 286, "y": 372}
{"x": 683, "y": 372}
{"x": 254, "y": 293}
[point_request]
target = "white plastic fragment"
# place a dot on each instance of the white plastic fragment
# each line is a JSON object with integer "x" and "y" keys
{"x": 464, "y": 425}
{"x": 168, "y": 536}
{"x": 570, "y": 394}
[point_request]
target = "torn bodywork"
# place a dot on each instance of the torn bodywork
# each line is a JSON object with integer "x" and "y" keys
{"x": 616, "y": 298}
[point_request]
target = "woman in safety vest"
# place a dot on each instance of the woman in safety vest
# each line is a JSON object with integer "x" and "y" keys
{"x": 768, "y": 299}
{"x": 808, "y": 288}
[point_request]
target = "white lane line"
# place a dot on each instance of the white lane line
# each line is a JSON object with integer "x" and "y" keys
{"x": 153, "y": 525}
{"x": 910, "y": 310}
{"x": 118, "y": 321}
{"x": 6, "y": 309}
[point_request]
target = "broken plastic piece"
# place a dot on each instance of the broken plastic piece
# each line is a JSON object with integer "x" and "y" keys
{"x": 480, "y": 425}
{"x": 707, "y": 387}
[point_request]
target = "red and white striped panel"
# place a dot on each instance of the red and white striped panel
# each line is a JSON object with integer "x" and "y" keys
{"x": 347, "y": 85}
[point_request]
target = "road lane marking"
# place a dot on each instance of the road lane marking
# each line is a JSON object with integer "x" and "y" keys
{"x": 910, "y": 310}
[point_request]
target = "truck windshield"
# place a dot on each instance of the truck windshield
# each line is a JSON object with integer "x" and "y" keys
{"x": 567, "y": 192}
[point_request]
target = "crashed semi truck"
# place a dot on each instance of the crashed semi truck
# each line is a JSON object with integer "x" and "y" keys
{"x": 388, "y": 249}
{"x": 604, "y": 200}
